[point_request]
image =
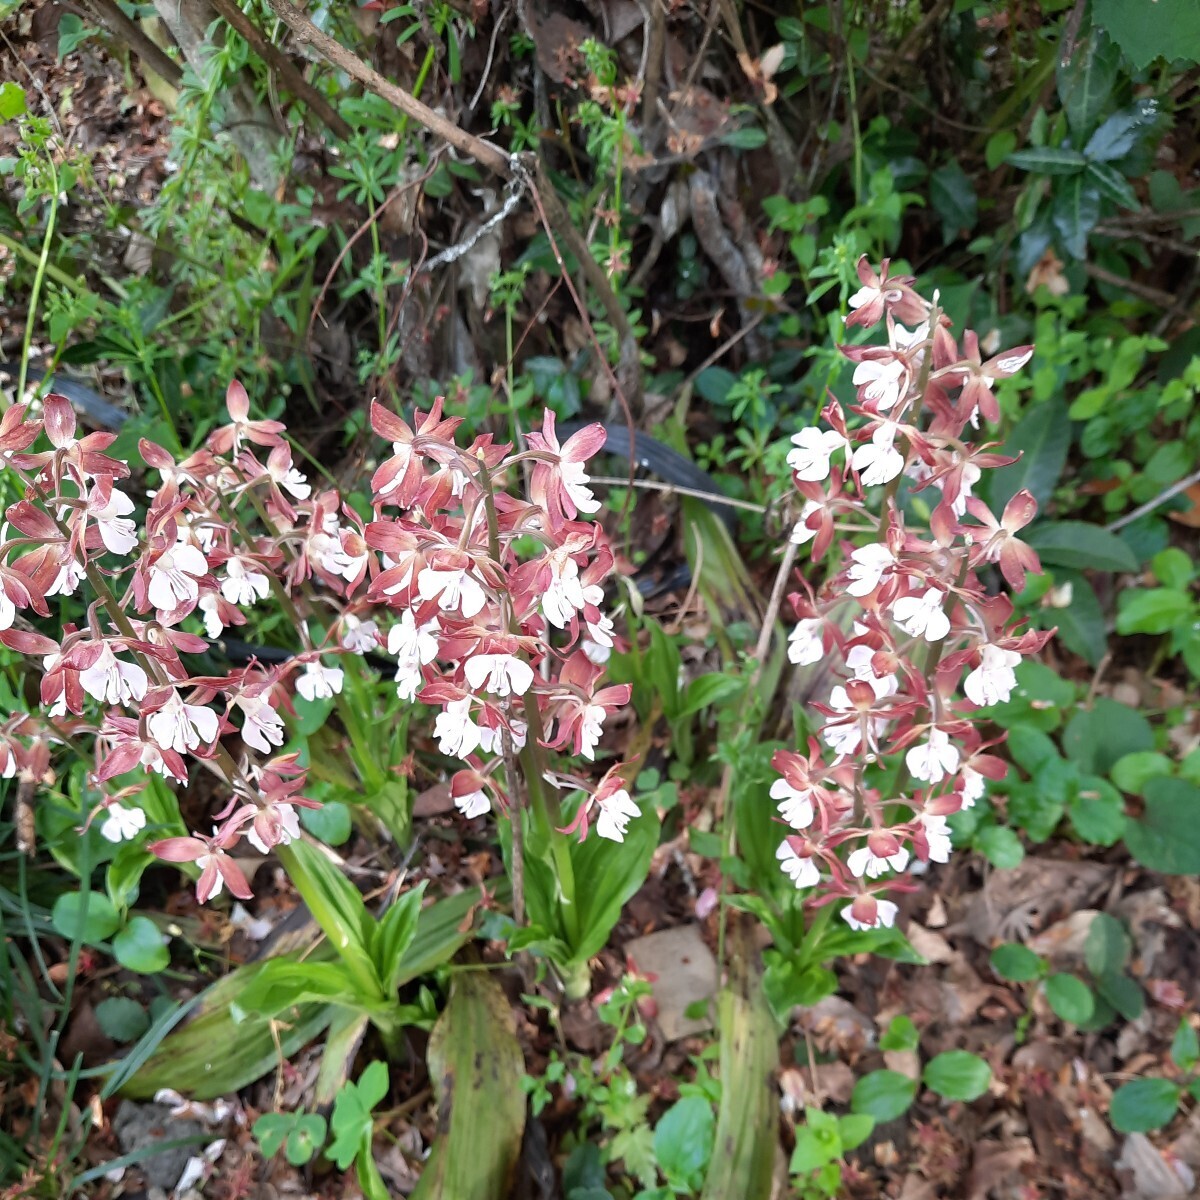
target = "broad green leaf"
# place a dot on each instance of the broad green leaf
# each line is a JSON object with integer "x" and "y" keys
{"x": 330, "y": 823}
{"x": 854, "y": 1129}
{"x": 1015, "y": 962}
{"x": 999, "y": 146}
{"x": 1153, "y": 610}
{"x": 1081, "y": 624}
{"x": 213, "y": 1054}
{"x": 475, "y": 1067}
{"x": 1118, "y": 135}
{"x": 788, "y": 985}
{"x": 1042, "y": 438}
{"x": 85, "y": 916}
{"x": 1123, "y": 994}
{"x": 884, "y": 1095}
{"x": 1149, "y": 29}
{"x": 1086, "y": 79}
{"x": 338, "y": 908}
{"x": 1131, "y": 772}
{"x": 1112, "y": 184}
{"x": 1167, "y": 836}
{"x": 953, "y": 198}
{"x": 683, "y": 1142}
{"x": 605, "y": 882}
{"x": 122, "y": 1019}
{"x": 957, "y": 1075}
{"x": 1075, "y": 211}
{"x": 1048, "y": 160}
{"x": 393, "y": 936}
{"x": 12, "y": 100}
{"x": 351, "y": 1123}
{"x": 1080, "y": 544}
{"x": 747, "y": 1118}
{"x": 901, "y": 1034}
{"x": 284, "y": 983}
{"x": 1173, "y": 568}
{"x": 1144, "y": 1105}
{"x": 1070, "y": 998}
{"x": 709, "y": 690}
{"x": 140, "y": 947}
{"x": 1095, "y": 738}
{"x": 1107, "y": 946}
{"x": 1097, "y": 812}
{"x": 1185, "y": 1046}
{"x": 1000, "y": 846}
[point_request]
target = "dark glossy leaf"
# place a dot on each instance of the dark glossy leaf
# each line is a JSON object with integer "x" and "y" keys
{"x": 1016, "y": 963}
{"x": 1095, "y": 738}
{"x": 1113, "y": 185}
{"x": 1080, "y": 544}
{"x": 1081, "y": 625}
{"x": 1075, "y": 211}
{"x": 122, "y": 1019}
{"x": 1042, "y": 437}
{"x": 953, "y": 198}
{"x": 1107, "y": 946}
{"x": 1049, "y": 160}
{"x": 1086, "y": 79}
{"x": 1167, "y": 837}
{"x": 1121, "y": 132}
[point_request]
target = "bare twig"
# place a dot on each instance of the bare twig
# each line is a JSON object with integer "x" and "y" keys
{"x": 455, "y": 252}
{"x": 293, "y": 80}
{"x": 1153, "y": 295}
{"x": 131, "y": 34}
{"x": 484, "y": 153}
{"x": 1150, "y": 505}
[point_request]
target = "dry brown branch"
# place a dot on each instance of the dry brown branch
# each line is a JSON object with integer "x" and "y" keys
{"x": 293, "y": 80}
{"x": 334, "y": 52}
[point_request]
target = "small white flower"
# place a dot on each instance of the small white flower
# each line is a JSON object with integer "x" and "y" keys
{"x": 65, "y": 584}
{"x": 573, "y": 479}
{"x": 868, "y": 565}
{"x": 359, "y": 636}
{"x": 122, "y": 824}
{"x": 8, "y": 611}
{"x": 491, "y": 741}
{"x": 937, "y": 834}
{"x": 814, "y": 448}
{"x": 407, "y": 639}
{"x": 883, "y": 381}
{"x": 796, "y": 808}
{"x": 408, "y": 678}
{"x": 971, "y": 475}
{"x": 210, "y": 610}
{"x": 263, "y": 727}
{"x": 864, "y": 861}
{"x": 183, "y": 727}
{"x": 878, "y": 461}
{"x": 902, "y": 339}
{"x": 865, "y": 295}
{"x": 287, "y": 827}
{"x": 616, "y": 811}
{"x": 803, "y": 872}
{"x": 591, "y": 727}
{"x": 933, "y": 760}
{"x": 117, "y": 532}
{"x": 971, "y": 787}
{"x": 174, "y": 575}
{"x": 242, "y": 585}
{"x": 500, "y": 674}
{"x": 218, "y": 886}
{"x": 1012, "y": 363}
{"x": 112, "y": 681}
{"x": 993, "y": 680}
{"x": 564, "y": 597}
{"x": 802, "y": 533}
{"x": 458, "y": 736}
{"x": 454, "y": 589}
{"x": 296, "y": 482}
{"x": 885, "y": 916}
{"x": 319, "y": 682}
{"x": 473, "y": 804}
{"x": 805, "y": 644}
{"x": 922, "y": 616}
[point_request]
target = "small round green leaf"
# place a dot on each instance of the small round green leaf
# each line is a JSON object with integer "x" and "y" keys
{"x": 1144, "y": 1105}
{"x": 140, "y": 947}
{"x": 1070, "y": 998}
{"x": 1001, "y": 847}
{"x": 97, "y": 924}
{"x": 330, "y": 822}
{"x": 1016, "y": 963}
{"x": 122, "y": 1019}
{"x": 957, "y": 1075}
{"x": 884, "y": 1095}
